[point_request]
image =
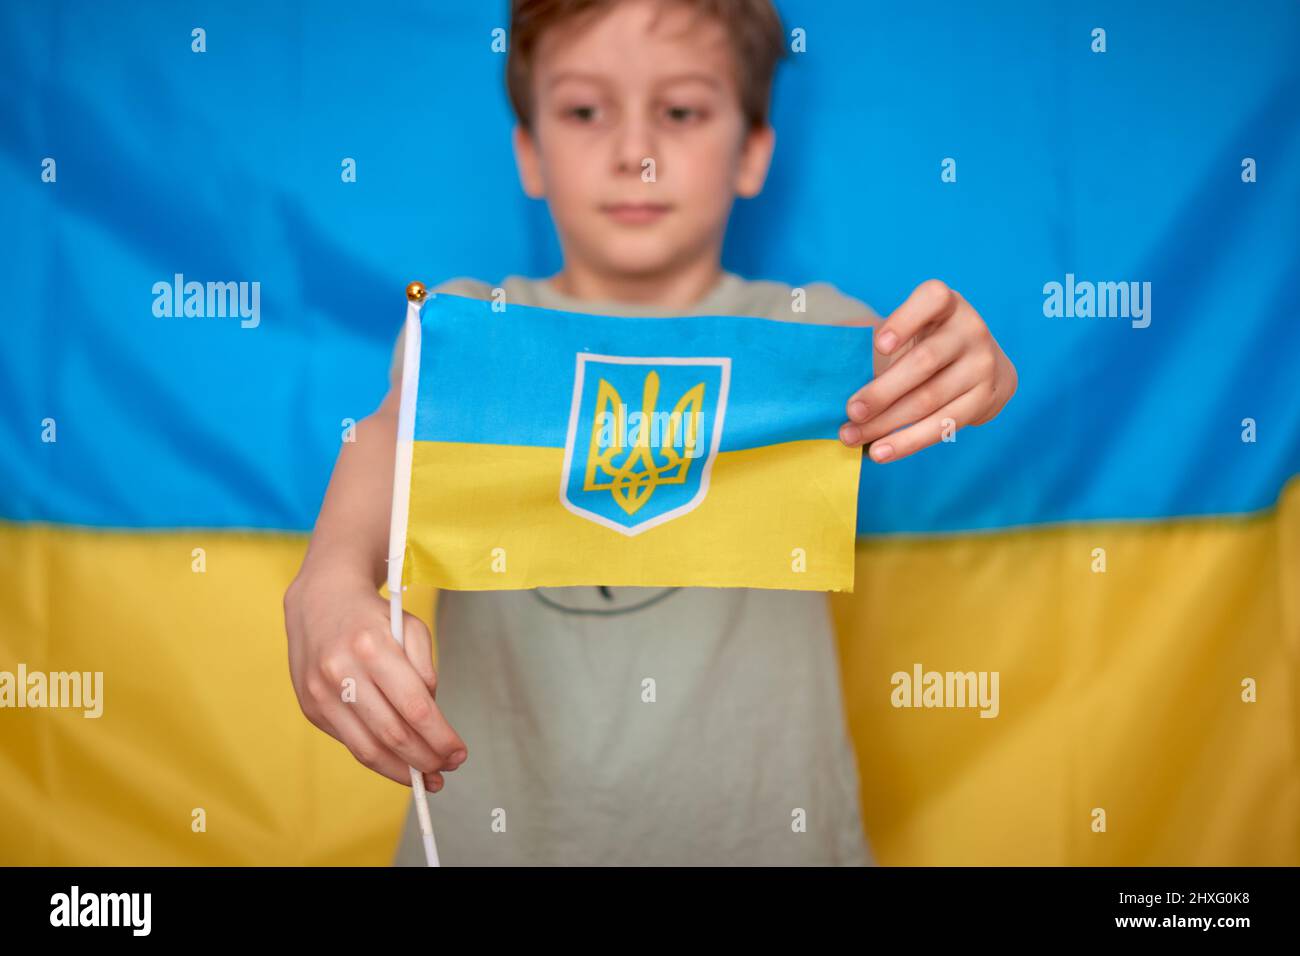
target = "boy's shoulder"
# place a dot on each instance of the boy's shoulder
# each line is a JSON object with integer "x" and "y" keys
{"x": 463, "y": 285}
{"x": 819, "y": 303}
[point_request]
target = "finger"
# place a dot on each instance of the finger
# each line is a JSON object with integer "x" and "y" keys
{"x": 951, "y": 383}
{"x": 927, "y": 432}
{"x": 929, "y": 302}
{"x": 392, "y": 724}
{"x": 922, "y": 361}
{"x": 418, "y": 644}
{"x": 410, "y": 700}
{"x": 369, "y": 752}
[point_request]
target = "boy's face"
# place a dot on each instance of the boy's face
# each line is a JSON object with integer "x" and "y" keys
{"x": 610, "y": 94}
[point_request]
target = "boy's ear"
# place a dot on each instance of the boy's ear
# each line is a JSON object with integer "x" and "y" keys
{"x": 755, "y": 159}
{"x": 528, "y": 162}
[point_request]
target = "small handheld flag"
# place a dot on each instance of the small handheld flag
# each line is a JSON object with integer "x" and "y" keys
{"x": 545, "y": 448}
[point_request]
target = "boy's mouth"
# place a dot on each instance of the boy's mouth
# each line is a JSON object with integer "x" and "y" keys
{"x": 635, "y": 213}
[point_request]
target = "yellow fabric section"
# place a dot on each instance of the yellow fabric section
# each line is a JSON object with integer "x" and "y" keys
{"x": 1119, "y": 691}
{"x": 749, "y": 531}
{"x": 198, "y": 712}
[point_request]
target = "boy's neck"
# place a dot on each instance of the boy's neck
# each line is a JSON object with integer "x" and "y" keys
{"x": 680, "y": 289}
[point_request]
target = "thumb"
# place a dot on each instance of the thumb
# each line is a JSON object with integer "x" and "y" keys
{"x": 418, "y": 644}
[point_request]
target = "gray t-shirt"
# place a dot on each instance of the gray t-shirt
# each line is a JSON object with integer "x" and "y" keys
{"x": 742, "y": 758}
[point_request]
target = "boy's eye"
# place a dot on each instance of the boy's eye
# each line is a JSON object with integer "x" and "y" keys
{"x": 583, "y": 113}
{"x": 683, "y": 114}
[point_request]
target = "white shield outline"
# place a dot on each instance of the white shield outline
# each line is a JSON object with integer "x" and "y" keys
{"x": 724, "y": 363}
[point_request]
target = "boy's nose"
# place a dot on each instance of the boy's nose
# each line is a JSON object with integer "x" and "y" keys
{"x": 633, "y": 146}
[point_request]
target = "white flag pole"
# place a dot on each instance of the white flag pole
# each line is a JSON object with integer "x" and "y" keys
{"x": 415, "y": 296}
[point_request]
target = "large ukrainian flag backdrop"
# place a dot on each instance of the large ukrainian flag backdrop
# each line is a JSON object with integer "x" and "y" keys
{"x": 1122, "y": 545}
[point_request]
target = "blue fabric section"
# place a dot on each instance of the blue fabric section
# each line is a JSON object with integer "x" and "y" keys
{"x": 507, "y": 378}
{"x": 225, "y": 166}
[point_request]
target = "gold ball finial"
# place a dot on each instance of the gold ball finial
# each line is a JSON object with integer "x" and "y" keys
{"x": 415, "y": 292}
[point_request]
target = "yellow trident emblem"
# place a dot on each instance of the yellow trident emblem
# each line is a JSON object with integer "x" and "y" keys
{"x": 625, "y": 464}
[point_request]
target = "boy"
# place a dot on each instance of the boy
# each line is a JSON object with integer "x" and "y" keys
{"x": 744, "y": 756}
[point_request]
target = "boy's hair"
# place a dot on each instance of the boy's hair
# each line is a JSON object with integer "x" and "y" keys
{"x": 754, "y": 27}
